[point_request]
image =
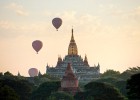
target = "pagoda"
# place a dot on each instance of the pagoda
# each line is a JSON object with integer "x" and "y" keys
{"x": 81, "y": 68}
{"x": 69, "y": 82}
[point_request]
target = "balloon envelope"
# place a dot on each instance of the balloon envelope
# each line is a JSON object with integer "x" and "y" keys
{"x": 37, "y": 45}
{"x": 57, "y": 22}
{"x": 33, "y": 72}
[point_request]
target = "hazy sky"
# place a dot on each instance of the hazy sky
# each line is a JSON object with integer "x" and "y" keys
{"x": 107, "y": 31}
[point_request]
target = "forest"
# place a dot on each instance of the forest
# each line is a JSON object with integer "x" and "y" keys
{"x": 112, "y": 85}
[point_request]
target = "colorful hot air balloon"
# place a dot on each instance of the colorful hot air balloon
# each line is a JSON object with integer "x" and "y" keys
{"x": 37, "y": 45}
{"x": 33, "y": 72}
{"x": 57, "y": 22}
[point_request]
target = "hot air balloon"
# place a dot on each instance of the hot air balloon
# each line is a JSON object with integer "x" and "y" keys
{"x": 57, "y": 22}
{"x": 37, "y": 45}
{"x": 33, "y": 72}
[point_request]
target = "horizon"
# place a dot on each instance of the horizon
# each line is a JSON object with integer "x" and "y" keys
{"x": 106, "y": 31}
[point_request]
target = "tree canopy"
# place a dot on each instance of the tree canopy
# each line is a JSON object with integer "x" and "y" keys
{"x": 22, "y": 87}
{"x": 45, "y": 90}
{"x": 129, "y": 72}
{"x": 60, "y": 96}
{"x": 8, "y": 93}
{"x": 133, "y": 86}
{"x": 110, "y": 73}
{"x": 100, "y": 91}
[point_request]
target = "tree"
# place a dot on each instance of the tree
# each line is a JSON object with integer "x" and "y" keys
{"x": 117, "y": 82}
{"x": 121, "y": 85}
{"x": 45, "y": 90}
{"x": 1, "y": 74}
{"x": 7, "y": 93}
{"x": 8, "y": 74}
{"x": 111, "y": 80}
{"x": 102, "y": 91}
{"x": 60, "y": 96}
{"x": 133, "y": 86}
{"x": 22, "y": 87}
{"x": 50, "y": 77}
{"x": 80, "y": 96}
{"x": 129, "y": 72}
{"x": 110, "y": 73}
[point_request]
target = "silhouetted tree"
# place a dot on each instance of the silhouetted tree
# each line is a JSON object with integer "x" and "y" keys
{"x": 133, "y": 86}
{"x": 129, "y": 72}
{"x": 110, "y": 73}
{"x": 121, "y": 85}
{"x": 7, "y": 93}
{"x": 60, "y": 96}
{"x": 80, "y": 96}
{"x": 117, "y": 82}
{"x": 8, "y": 74}
{"x": 1, "y": 74}
{"x": 45, "y": 90}
{"x": 22, "y": 87}
{"x": 102, "y": 91}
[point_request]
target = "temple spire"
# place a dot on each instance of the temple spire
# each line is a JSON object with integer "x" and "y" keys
{"x": 39, "y": 73}
{"x": 72, "y": 36}
{"x": 18, "y": 74}
{"x": 59, "y": 62}
{"x": 86, "y": 60}
{"x": 72, "y": 50}
{"x": 85, "y": 57}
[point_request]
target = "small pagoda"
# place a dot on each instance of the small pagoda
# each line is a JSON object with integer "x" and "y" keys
{"x": 69, "y": 82}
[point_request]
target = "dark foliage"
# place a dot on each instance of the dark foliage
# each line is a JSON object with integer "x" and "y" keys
{"x": 133, "y": 86}
{"x": 22, "y": 87}
{"x": 129, "y": 72}
{"x": 110, "y": 73}
{"x": 7, "y": 93}
{"x": 102, "y": 91}
{"x": 80, "y": 96}
{"x": 60, "y": 96}
{"x": 117, "y": 82}
{"x": 45, "y": 90}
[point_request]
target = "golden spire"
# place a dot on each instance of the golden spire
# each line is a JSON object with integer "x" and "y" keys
{"x": 72, "y": 50}
{"x": 72, "y": 38}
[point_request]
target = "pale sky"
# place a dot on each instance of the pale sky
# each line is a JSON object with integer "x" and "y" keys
{"x": 107, "y": 31}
